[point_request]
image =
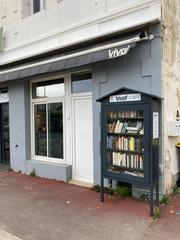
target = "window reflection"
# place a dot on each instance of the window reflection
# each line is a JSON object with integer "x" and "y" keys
{"x": 81, "y": 82}
{"x": 55, "y": 130}
{"x": 49, "y": 137}
{"x": 48, "y": 89}
{"x": 40, "y": 130}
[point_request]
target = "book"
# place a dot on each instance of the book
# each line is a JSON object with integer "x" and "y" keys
{"x": 132, "y": 144}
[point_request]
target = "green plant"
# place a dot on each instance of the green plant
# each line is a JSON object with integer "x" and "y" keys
{"x": 109, "y": 190}
{"x": 96, "y": 188}
{"x": 144, "y": 197}
{"x": 176, "y": 190}
{"x": 157, "y": 214}
{"x": 10, "y": 169}
{"x": 120, "y": 191}
{"x": 164, "y": 200}
{"x": 32, "y": 173}
{"x": 123, "y": 191}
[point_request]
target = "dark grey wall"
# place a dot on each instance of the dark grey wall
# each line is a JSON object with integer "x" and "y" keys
{"x": 140, "y": 70}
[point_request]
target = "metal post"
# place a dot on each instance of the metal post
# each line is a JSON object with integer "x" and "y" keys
{"x": 157, "y": 195}
{"x": 102, "y": 190}
{"x": 151, "y": 202}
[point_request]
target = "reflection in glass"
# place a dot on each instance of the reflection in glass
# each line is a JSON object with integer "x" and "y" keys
{"x": 40, "y": 130}
{"x": 5, "y": 153}
{"x": 81, "y": 82}
{"x": 55, "y": 130}
{"x": 48, "y": 89}
{"x": 125, "y": 142}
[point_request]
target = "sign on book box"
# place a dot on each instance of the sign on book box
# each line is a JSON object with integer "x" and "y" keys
{"x": 129, "y": 122}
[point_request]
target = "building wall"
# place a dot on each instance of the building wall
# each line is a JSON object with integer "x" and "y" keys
{"x": 171, "y": 85}
{"x": 66, "y": 22}
{"x": 10, "y": 12}
{"x": 139, "y": 70}
{"x": 20, "y": 136}
{"x": 17, "y": 119}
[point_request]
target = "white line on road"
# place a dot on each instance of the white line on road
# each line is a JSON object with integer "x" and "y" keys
{"x": 8, "y": 236}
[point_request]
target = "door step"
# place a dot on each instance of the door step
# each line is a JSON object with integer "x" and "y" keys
{"x": 80, "y": 183}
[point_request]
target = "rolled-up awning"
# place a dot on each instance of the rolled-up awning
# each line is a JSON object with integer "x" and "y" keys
{"x": 77, "y": 58}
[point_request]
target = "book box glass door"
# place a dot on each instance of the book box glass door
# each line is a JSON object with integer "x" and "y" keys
{"x": 126, "y": 132}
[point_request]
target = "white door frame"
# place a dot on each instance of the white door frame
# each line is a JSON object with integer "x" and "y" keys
{"x": 66, "y": 118}
{"x": 73, "y": 98}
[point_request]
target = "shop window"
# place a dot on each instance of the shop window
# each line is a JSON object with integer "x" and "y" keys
{"x": 48, "y": 122}
{"x": 48, "y": 89}
{"x": 81, "y": 82}
{"x": 47, "y": 104}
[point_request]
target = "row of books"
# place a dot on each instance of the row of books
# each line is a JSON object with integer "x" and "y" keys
{"x": 126, "y": 114}
{"x": 127, "y": 160}
{"x": 125, "y": 143}
{"x": 130, "y": 127}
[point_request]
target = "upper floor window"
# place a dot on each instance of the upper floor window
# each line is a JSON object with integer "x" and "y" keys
{"x": 38, "y": 5}
{"x": 30, "y": 7}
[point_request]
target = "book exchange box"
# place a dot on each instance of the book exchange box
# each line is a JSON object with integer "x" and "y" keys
{"x": 130, "y": 139}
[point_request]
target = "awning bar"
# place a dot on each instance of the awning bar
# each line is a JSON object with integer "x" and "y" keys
{"x": 81, "y": 53}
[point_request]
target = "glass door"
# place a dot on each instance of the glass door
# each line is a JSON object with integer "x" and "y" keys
{"x": 48, "y": 130}
{"x": 4, "y": 134}
{"x": 127, "y": 133}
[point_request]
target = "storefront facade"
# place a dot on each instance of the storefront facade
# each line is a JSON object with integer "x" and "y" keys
{"x": 54, "y": 117}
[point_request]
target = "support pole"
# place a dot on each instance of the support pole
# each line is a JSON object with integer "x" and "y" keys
{"x": 157, "y": 195}
{"x": 151, "y": 202}
{"x": 102, "y": 190}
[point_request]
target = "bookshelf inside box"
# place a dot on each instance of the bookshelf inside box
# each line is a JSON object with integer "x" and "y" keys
{"x": 125, "y": 137}
{"x": 130, "y": 139}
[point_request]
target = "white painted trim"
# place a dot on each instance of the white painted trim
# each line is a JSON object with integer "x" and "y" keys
{"x": 97, "y": 49}
{"x": 74, "y": 97}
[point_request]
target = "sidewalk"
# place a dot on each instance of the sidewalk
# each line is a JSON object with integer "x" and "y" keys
{"x": 37, "y": 209}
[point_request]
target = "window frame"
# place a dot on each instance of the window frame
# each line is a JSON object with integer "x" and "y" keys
{"x": 46, "y": 101}
{"x": 79, "y": 72}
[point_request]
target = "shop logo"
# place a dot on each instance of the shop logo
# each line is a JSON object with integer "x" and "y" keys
{"x": 114, "y": 53}
{"x": 125, "y": 98}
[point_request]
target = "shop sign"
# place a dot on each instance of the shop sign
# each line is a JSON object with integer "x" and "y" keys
{"x": 4, "y": 97}
{"x": 125, "y": 98}
{"x": 155, "y": 125}
{"x": 118, "y": 52}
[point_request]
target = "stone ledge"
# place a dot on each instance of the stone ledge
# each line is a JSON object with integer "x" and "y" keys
{"x": 50, "y": 170}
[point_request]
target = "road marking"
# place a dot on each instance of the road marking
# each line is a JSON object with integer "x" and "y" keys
{"x": 8, "y": 236}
